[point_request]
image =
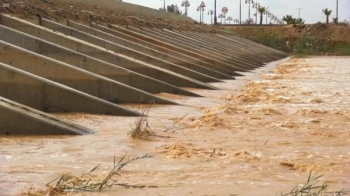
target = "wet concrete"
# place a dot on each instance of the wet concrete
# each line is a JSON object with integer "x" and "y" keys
{"x": 267, "y": 134}
{"x": 33, "y": 122}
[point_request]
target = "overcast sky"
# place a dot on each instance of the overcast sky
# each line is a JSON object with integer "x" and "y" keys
{"x": 311, "y": 10}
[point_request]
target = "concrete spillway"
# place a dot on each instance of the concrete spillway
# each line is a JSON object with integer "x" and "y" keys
{"x": 47, "y": 66}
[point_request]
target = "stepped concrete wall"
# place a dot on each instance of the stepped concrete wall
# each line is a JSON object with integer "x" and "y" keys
{"x": 84, "y": 81}
{"x": 98, "y": 52}
{"x": 48, "y": 96}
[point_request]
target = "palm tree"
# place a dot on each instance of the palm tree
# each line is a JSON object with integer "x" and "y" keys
{"x": 221, "y": 16}
{"x": 186, "y": 4}
{"x": 327, "y": 13}
{"x": 335, "y": 20}
{"x": 261, "y": 10}
{"x": 299, "y": 21}
{"x": 288, "y": 19}
{"x": 229, "y": 19}
{"x": 249, "y": 21}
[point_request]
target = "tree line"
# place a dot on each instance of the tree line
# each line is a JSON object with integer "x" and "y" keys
{"x": 289, "y": 19}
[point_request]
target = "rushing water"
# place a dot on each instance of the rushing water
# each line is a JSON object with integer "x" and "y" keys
{"x": 260, "y": 140}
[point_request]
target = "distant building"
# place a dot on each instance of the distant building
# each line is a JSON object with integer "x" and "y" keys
{"x": 173, "y": 8}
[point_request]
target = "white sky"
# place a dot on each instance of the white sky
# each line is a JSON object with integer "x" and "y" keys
{"x": 311, "y": 9}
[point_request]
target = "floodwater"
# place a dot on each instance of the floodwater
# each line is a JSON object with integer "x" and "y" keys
{"x": 260, "y": 135}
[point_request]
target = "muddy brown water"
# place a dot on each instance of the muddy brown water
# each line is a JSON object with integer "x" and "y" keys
{"x": 260, "y": 135}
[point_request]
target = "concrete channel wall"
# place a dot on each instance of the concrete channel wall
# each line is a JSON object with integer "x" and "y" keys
{"x": 178, "y": 61}
{"x": 47, "y": 66}
{"x": 187, "y": 48}
{"x": 87, "y": 82}
{"x": 154, "y": 57}
{"x": 205, "y": 48}
{"x": 98, "y": 52}
{"x": 18, "y": 119}
{"x": 90, "y": 64}
{"x": 149, "y": 44}
{"x": 200, "y": 59}
{"x": 48, "y": 96}
{"x": 234, "y": 55}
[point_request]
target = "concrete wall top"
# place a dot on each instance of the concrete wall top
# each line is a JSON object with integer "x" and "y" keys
{"x": 128, "y": 7}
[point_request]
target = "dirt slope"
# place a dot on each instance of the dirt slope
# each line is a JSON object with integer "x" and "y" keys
{"x": 64, "y": 9}
{"x": 329, "y": 31}
{"x": 306, "y": 39}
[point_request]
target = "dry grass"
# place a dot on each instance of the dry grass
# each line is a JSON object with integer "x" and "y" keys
{"x": 87, "y": 182}
{"x": 311, "y": 188}
{"x": 141, "y": 129}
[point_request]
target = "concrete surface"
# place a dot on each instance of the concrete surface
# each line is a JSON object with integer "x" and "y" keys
{"x": 209, "y": 55}
{"x": 18, "y": 119}
{"x": 155, "y": 58}
{"x": 87, "y": 82}
{"x": 153, "y": 44}
{"x": 48, "y": 96}
{"x": 211, "y": 63}
{"x": 147, "y": 50}
{"x": 90, "y": 64}
{"x": 86, "y": 48}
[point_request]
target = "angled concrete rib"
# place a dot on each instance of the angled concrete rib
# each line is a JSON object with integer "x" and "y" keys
{"x": 18, "y": 119}
{"x": 48, "y": 96}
